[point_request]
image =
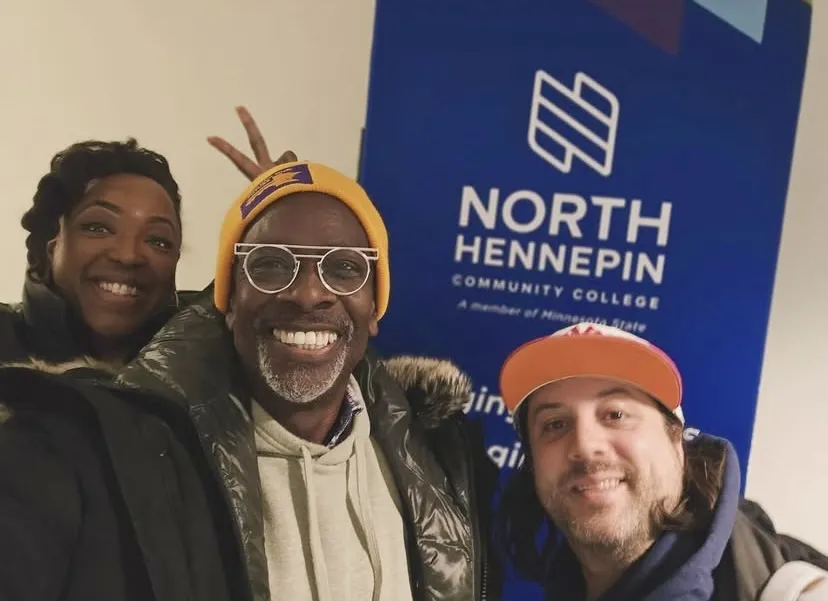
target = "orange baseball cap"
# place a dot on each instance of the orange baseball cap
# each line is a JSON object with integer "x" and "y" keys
{"x": 591, "y": 350}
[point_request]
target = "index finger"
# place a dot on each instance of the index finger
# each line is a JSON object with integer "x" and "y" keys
{"x": 242, "y": 162}
{"x": 254, "y": 136}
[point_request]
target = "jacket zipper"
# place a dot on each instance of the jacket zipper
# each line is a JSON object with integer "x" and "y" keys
{"x": 416, "y": 581}
{"x": 481, "y": 571}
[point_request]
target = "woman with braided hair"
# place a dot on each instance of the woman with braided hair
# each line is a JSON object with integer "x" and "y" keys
{"x": 103, "y": 245}
{"x": 104, "y": 242}
{"x": 105, "y": 497}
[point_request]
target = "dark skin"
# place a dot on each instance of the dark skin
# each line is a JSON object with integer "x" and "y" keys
{"x": 114, "y": 259}
{"x": 314, "y": 219}
{"x": 132, "y": 237}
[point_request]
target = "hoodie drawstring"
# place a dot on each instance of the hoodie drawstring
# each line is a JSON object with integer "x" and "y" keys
{"x": 320, "y": 571}
{"x": 364, "y": 503}
{"x": 361, "y": 502}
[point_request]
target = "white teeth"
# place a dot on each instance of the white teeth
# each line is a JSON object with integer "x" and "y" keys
{"x": 119, "y": 289}
{"x": 314, "y": 340}
{"x": 607, "y": 484}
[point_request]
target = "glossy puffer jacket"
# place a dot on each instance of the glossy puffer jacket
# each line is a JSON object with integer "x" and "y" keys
{"x": 443, "y": 475}
{"x": 44, "y": 326}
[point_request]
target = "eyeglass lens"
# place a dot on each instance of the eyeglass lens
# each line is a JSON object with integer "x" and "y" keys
{"x": 272, "y": 269}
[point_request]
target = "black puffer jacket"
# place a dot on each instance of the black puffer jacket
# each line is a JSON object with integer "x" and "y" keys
{"x": 443, "y": 475}
{"x": 147, "y": 490}
{"x": 754, "y": 554}
{"x": 43, "y": 326}
{"x": 105, "y": 497}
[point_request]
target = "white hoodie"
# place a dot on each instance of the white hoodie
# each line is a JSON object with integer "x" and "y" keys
{"x": 333, "y": 525}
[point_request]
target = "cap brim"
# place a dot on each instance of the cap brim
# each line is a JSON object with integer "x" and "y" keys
{"x": 556, "y": 358}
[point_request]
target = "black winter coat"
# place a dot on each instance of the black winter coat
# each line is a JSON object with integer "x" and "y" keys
{"x": 445, "y": 479}
{"x": 147, "y": 489}
{"x": 103, "y": 497}
{"x": 43, "y": 326}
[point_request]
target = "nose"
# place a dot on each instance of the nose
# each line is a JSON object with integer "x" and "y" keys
{"x": 587, "y": 440}
{"x": 307, "y": 291}
{"x": 128, "y": 249}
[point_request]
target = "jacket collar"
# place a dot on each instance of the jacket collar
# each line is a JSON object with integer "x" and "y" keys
{"x": 192, "y": 361}
{"x": 55, "y": 333}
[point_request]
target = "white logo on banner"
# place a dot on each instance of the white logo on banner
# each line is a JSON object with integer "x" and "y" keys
{"x": 513, "y": 240}
{"x": 564, "y": 124}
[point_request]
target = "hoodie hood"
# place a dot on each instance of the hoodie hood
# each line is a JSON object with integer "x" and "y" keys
{"x": 273, "y": 439}
{"x": 679, "y": 565}
{"x": 348, "y": 460}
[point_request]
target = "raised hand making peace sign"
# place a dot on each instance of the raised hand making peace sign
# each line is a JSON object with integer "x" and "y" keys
{"x": 249, "y": 167}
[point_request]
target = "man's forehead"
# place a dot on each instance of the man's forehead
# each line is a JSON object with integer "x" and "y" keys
{"x": 567, "y": 394}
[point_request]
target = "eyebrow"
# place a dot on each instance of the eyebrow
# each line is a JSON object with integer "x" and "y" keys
{"x": 613, "y": 391}
{"x": 551, "y": 405}
{"x": 545, "y": 406}
{"x": 113, "y": 208}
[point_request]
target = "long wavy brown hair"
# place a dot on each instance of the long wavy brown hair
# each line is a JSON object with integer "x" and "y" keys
{"x": 526, "y": 536}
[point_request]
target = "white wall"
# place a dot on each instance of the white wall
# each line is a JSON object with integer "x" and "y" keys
{"x": 171, "y": 73}
{"x": 788, "y": 469}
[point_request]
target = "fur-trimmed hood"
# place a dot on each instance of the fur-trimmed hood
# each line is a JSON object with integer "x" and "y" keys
{"x": 436, "y": 388}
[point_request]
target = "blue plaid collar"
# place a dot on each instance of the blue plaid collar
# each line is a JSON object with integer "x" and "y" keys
{"x": 351, "y": 407}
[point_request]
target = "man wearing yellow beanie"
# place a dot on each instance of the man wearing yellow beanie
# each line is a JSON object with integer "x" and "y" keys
{"x": 347, "y": 477}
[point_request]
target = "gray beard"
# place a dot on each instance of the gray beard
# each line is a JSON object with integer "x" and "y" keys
{"x": 301, "y": 384}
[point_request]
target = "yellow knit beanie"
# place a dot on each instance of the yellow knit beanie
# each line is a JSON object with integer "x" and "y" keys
{"x": 289, "y": 178}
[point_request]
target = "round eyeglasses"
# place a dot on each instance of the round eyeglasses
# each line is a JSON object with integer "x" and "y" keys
{"x": 272, "y": 268}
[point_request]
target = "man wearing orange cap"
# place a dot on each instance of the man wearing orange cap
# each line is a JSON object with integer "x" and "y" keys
{"x": 636, "y": 510}
{"x": 348, "y": 478}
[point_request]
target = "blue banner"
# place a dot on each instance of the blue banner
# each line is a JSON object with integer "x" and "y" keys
{"x": 542, "y": 163}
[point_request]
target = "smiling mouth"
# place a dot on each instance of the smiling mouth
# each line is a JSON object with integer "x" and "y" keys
{"x": 602, "y": 485}
{"x": 306, "y": 340}
{"x": 119, "y": 289}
